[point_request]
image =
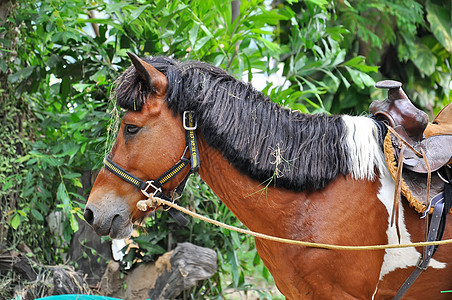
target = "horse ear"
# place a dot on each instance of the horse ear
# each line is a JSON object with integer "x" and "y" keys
{"x": 153, "y": 77}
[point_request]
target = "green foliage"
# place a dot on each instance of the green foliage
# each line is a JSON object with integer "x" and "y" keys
{"x": 409, "y": 40}
{"x": 331, "y": 53}
{"x": 48, "y": 74}
{"x": 315, "y": 62}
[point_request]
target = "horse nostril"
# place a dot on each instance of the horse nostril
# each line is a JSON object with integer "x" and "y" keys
{"x": 89, "y": 216}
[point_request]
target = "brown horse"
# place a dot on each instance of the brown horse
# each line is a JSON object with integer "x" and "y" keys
{"x": 313, "y": 178}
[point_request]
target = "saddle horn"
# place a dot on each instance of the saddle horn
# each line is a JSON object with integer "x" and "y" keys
{"x": 400, "y": 113}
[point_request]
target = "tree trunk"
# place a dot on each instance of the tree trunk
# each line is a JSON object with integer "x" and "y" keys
{"x": 166, "y": 278}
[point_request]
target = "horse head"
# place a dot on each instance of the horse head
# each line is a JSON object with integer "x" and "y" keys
{"x": 150, "y": 140}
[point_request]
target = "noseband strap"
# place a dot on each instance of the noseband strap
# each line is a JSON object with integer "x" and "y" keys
{"x": 145, "y": 185}
{"x": 123, "y": 174}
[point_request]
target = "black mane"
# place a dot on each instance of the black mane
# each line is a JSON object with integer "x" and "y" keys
{"x": 267, "y": 142}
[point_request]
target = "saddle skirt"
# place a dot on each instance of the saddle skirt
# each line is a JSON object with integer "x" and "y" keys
{"x": 414, "y": 185}
{"x": 442, "y": 124}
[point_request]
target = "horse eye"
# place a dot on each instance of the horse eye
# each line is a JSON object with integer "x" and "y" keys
{"x": 132, "y": 129}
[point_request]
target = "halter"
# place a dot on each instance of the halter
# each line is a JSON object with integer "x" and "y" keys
{"x": 190, "y": 126}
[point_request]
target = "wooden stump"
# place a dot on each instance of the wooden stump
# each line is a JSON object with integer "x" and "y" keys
{"x": 31, "y": 280}
{"x": 166, "y": 278}
{"x": 188, "y": 264}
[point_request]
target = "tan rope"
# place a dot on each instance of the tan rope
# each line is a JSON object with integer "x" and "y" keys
{"x": 391, "y": 163}
{"x": 142, "y": 205}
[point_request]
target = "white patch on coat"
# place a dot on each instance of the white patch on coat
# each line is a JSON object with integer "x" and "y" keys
{"x": 367, "y": 159}
{"x": 401, "y": 258}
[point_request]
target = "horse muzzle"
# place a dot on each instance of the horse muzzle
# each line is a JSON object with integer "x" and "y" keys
{"x": 112, "y": 217}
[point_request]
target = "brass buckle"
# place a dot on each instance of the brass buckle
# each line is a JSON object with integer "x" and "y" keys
{"x": 420, "y": 262}
{"x": 190, "y": 114}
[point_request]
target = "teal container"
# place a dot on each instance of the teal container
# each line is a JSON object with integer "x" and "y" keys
{"x": 77, "y": 297}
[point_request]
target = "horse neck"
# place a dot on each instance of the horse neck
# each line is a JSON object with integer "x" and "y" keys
{"x": 281, "y": 212}
{"x": 252, "y": 202}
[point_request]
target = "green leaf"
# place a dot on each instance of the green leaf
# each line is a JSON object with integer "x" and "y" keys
{"x": 21, "y": 74}
{"x": 440, "y": 21}
{"x": 193, "y": 35}
{"x": 15, "y": 221}
{"x": 233, "y": 261}
{"x": 273, "y": 48}
{"x": 359, "y": 78}
{"x": 261, "y": 31}
{"x": 265, "y": 273}
{"x": 81, "y": 87}
{"x": 74, "y": 223}
{"x": 72, "y": 175}
{"x": 137, "y": 12}
{"x": 65, "y": 88}
{"x": 62, "y": 195}
{"x": 53, "y": 60}
{"x": 207, "y": 31}
{"x": 358, "y": 62}
{"x": 366, "y": 79}
{"x": 424, "y": 59}
{"x": 7, "y": 185}
{"x": 72, "y": 150}
{"x": 344, "y": 80}
{"x": 76, "y": 182}
{"x": 256, "y": 259}
{"x": 235, "y": 238}
{"x": 51, "y": 160}
{"x": 201, "y": 42}
{"x": 319, "y": 3}
{"x": 100, "y": 76}
{"x": 339, "y": 57}
{"x": 37, "y": 215}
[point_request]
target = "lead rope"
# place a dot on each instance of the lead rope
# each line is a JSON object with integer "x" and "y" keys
{"x": 143, "y": 204}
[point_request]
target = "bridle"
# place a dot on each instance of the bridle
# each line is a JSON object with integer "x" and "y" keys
{"x": 190, "y": 125}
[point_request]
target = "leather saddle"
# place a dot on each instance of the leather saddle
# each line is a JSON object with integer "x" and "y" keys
{"x": 424, "y": 148}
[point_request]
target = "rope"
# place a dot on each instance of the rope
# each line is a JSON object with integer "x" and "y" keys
{"x": 391, "y": 163}
{"x": 142, "y": 205}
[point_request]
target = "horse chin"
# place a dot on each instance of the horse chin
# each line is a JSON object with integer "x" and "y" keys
{"x": 120, "y": 228}
{"x": 140, "y": 221}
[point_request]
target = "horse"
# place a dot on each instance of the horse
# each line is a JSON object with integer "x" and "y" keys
{"x": 317, "y": 178}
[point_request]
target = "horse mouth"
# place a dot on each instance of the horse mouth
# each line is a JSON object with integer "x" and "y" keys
{"x": 113, "y": 218}
{"x": 120, "y": 228}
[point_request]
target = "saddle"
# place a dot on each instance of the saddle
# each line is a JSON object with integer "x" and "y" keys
{"x": 418, "y": 153}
